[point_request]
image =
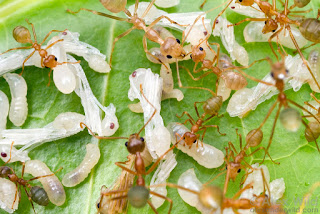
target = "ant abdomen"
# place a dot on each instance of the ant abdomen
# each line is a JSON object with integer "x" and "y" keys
{"x": 310, "y": 29}
{"x": 4, "y": 171}
{"x": 301, "y": 3}
{"x": 212, "y": 105}
{"x": 138, "y": 196}
{"x": 114, "y": 6}
{"x": 313, "y": 132}
{"x": 245, "y": 2}
{"x": 21, "y": 34}
{"x": 233, "y": 80}
{"x": 290, "y": 119}
{"x": 254, "y": 137}
{"x": 39, "y": 195}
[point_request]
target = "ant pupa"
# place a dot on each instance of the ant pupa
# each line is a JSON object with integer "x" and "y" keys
{"x": 314, "y": 61}
{"x": 82, "y": 171}
{"x": 9, "y": 154}
{"x": 206, "y": 155}
{"x": 49, "y": 181}
{"x": 170, "y": 47}
{"x": 4, "y": 110}
{"x": 8, "y": 201}
{"x": 18, "y": 107}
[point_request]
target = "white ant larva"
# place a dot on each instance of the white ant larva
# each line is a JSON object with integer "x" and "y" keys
{"x": 9, "y": 150}
{"x": 4, "y": 110}
{"x": 51, "y": 184}
{"x": 166, "y": 3}
{"x": 252, "y": 33}
{"x": 77, "y": 175}
{"x": 69, "y": 121}
{"x": 314, "y": 61}
{"x": 19, "y": 107}
{"x": 206, "y": 155}
{"x": 8, "y": 201}
{"x": 236, "y": 51}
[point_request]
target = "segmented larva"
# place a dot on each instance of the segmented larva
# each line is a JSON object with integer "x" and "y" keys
{"x": 4, "y": 110}
{"x": 19, "y": 107}
{"x": 51, "y": 184}
{"x": 77, "y": 175}
{"x": 7, "y": 195}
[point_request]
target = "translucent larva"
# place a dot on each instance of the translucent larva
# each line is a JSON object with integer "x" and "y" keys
{"x": 290, "y": 119}
{"x": 69, "y": 121}
{"x": 223, "y": 90}
{"x": 4, "y": 110}
{"x": 314, "y": 62}
{"x": 7, "y": 195}
{"x": 207, "y": 156}
{"x": 16, "y": 155}
{"x": 237, "y": 105}
{"x": 64, "y": 78}
{"x": 166, "y": 3}
{"x": 19, "y": 107}
{"x": 77, "y": 175}
{"x": 114, "y": 6}
{"x": 51, "y": 184}
{"x": 253, "y": 33}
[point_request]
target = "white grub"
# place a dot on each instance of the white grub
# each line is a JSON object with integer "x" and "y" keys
{"x": 18, "y": 107}
{"x": 157, "y": 138}
{"x": 65, "y": 125}
{"x": 223, "y": 90}
{"x": 72, "y": 44}
{"x": 197, "y": 32}
{"x": 4, "y": 110}
{"x": 161, "y": 175}
{"x": 207, "y": 156}
{"x": 314, "y": 62}
{"x": 8, "y": 195}
{"x": 92, "y": 107}
{"x": 16, "y": 155}
{"x": 154, "y": 13}
{"x": 51, "y": 184}
{"x": 253, "y": 11}
{"x": 236, "y": 51}
{"x": 77, "y": 175}
{"x": 189, "y": 180}
{"x": 253, "y": 33}
{"x": 240, "y": 104}
{"x": 166, "y": 3}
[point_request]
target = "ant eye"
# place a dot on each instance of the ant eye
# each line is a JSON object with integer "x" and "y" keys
{"x": 56, "y": 59}
{"x": 141, "y": 138}
{"x": 169, "y": 56}
{"x": 272, "y": 74}
{"x": 265, "y": 22}
{"x": 191, "y": 56}
{"x": 194, "y": 141}
{"x": 240, "y": 0}
{"x": 3, "y": 154}
{"x": 46, "y": 67}
{"x": 111, "y": 125}
{"x": 274, "y": 31}
{"x": 226, "y": 167}
{"x": 201, "y": 49}
{"x": 239, "y": 170}
{"x": 126, "y": 144}
{"x": 287, "y": 71}
{"x": 98, "y": 205}
{"x": 178, "y": 41}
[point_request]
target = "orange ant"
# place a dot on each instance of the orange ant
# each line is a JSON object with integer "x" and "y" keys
{"x": 22, "y": 35}
{"x": 170, "y": 47}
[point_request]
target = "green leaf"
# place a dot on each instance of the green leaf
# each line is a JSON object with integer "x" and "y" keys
{"x": 299, "y": 159}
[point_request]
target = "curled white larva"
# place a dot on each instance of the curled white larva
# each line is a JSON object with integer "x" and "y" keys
{"x": 277, "y": 188}
{"x": 9, "y": 201}
{"x": 64, "y": 78}
{"x": 77, "y": 175}
{"x": 207, "y": 156}
{"x": 51, "y": 184}
{"x": 166, "y": 75}
{"x": 253, "y": 33}
{"x": 19, "y": 107}
{"x": 4, "y": 110}
{"x": 16, "y": 155}
{"x": 69, "y": 121}
{"x": 237, "y": 103}
{"x": 99, "y": 64}
{"x": 166, "y": 3}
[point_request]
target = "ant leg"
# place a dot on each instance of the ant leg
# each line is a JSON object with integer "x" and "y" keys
{"x": 266, "y": 152}
{"x": 249, "y": 186}
{"x": 100, "y": 14}
{"x": 218, "y": 50}
{"x": 196, "y": 107}
{"x": 116, "y": 39}
{"x": 163, "y": 17}
{"x": 270, "y": 41}
{"x": 12, "y": 49}
{"x": 235, "y": 211}
{"x": 147, "y": 9}
{"x": 46, "y": 37}
{"x": 136, "y": 5}
{"x": 15, "y": 196}
{"x": 203, "y": 3}
{"x": 10, "y": 154}
{"x": 304, "y": 48}
{"x": 248, "y": 20}
{"x": 215, "y": 126}
{"x": 26, "y": 61}
{"x": 174, "y": 186}
{"x": 145, "y": 47}
{"x": 251, "y": 77}
{"x": 186, "y": 113}
{"x": 304, "y": 109}
{"x": 29, "y": 197}
{"x": 221, "y": 12}
{"x": 231, "y": 146}
{"x": 272, "y": 132}
{"x": 49, "y": 75}
{"x": 254, "y": 62}
{"x": 125, "y": 168}
{"x": 43, "y": 176}
{"x": 33, "y": 31}
{"x": 152, "y": 207}
{"x": 52, "y": 44}
{"x": 286, "y": 7}
{"x": 165, "y": 198}
{"x": 301, "y": 55}
{"x": 98, "y": 137}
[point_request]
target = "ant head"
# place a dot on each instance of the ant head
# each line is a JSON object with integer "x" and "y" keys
{"x": 138, "y": 196}
{"x": 171, "y": 48}
{"x": 279, "y": 71}
{"x": 39, "y": 195}
{"x": 190, "y": 138}
{"x": 211, "y": 197}
{"x": 135, "y": 144}
{"x": 245, "y": 2}
{"x": 270, "y": 26}
{"x": 50, "y": 61}
{"x": 21, "y": 34}
{"x": 234, "y": 169}
{"x": 198, "y": 53}
{"x": 254, "y": 137}
{"x": 4, "y": 171}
